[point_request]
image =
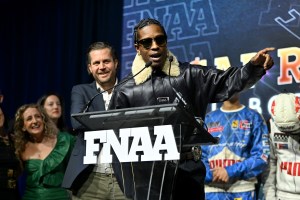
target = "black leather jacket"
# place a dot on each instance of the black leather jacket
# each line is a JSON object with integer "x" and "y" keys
{"x": 199, "y": 86}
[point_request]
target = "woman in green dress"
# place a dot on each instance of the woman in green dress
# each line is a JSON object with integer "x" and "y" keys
{"x": 43, "y": 152}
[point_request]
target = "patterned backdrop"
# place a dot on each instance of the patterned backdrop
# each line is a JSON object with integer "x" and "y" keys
{"x": 226, "y": 33}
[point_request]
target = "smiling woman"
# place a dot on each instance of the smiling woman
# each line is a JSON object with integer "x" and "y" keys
{"x": 43, "y": 152}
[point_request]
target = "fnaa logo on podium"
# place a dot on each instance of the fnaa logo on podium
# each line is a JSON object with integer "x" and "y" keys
{"x": 141, "y": 142}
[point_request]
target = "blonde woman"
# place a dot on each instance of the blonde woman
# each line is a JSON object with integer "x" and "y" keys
{"x": 43, "y": 153}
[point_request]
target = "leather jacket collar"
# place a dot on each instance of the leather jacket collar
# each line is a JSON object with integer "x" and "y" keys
{"x": 139, "y": 63}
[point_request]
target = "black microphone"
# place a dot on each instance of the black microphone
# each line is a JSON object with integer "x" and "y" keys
{"x": 199, "y": 123}
{"x": 87, "y": 106}
{"x": 178, "y": 94}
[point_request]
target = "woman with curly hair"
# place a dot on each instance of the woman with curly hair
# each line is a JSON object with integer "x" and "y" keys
{"x": 43, "y": 152}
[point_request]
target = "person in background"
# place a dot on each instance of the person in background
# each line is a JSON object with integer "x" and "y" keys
{"x": 283, "y": 177}
{"x": 89, "y": 182}
{"x": 43, "y": 152}
{"x": 199, "y": 86}
{"x": 54, "y": 107}
{"x": 9, "y": 164}
{"x": 9, "y": 122}
{"x": 241, "y": 155}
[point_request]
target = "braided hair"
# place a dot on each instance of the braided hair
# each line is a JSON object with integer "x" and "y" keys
{"x": 146, "y": 22}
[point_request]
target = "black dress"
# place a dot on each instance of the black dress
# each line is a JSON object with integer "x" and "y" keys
{"x": 9, "y": 166}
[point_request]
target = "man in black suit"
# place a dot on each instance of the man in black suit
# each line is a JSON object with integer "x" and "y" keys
{"x": 92, "y": 181}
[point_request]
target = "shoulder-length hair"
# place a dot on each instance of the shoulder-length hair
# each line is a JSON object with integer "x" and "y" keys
{"x": 22, "y": 137}
{"x": 61, "y": 122}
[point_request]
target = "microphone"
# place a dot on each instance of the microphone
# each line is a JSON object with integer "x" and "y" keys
{"x": 87, "y": 106}
{"x": 198, "y": 122}
{"x": 178, "y": 94}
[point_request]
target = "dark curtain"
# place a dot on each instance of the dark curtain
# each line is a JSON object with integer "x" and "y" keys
{"x": 43, "y": 45}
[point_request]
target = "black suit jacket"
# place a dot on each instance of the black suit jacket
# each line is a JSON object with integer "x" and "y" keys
{"x": 77, "y": 172}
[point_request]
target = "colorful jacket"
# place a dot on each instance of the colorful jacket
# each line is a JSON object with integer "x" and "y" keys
{"x": 243, "y": 149}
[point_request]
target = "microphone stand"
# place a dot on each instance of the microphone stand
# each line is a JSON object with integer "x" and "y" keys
{"x": 148, "y": 64}
{"x": 198, "y": 124}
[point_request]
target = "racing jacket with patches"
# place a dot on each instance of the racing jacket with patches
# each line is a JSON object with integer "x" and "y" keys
{"x": 283, "y": 181}
{"x": 243, "y": 149}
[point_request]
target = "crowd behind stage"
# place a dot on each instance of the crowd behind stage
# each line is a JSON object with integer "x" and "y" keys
{"x": 41, "y": 157}
{"x": 277, "y": 169}
{"x": 13, "y": 181}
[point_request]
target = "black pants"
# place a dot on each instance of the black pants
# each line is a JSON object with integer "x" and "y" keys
{"x": 189, "y": 183}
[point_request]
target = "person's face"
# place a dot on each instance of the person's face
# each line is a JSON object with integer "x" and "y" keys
{"x": 33, "y": 122}
{"x": 1, "y": 118}
{"x": 103, "y": 67}
{"x": 52, "y": 107}
{"x": 156, "y": 52}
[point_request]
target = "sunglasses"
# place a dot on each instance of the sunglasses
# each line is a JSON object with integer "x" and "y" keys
{"x": 160, "y": 40}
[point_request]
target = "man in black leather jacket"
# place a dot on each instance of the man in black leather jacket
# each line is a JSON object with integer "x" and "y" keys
{"x": 199, "y": 85}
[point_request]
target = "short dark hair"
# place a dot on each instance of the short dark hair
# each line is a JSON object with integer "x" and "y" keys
{"x": 146, "y": 22}
{"x": 97, "y": 46}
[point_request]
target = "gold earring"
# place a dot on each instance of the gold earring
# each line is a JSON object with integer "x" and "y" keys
{"x": 139, "y": 53}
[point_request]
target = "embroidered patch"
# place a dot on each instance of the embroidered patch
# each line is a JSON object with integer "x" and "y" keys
{"x": 265, "y": 136}
{"x": 162, "y": 100}
{"x": 265, "y": 143}
{"x": 280, "y": 137}
{"x": 266, "y": 151}
{"x": 264, "y": 157}
{"x": 244, "y": 124}
{"x": 215, "y": 127}
{"x": 235, "y": 124}
{"x": 281, "y": 145}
